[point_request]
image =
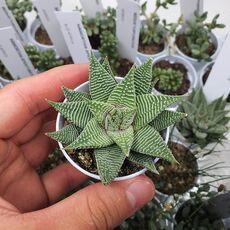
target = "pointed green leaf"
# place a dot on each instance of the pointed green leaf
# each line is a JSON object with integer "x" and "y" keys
{"x": 66, "y": 135}
{"x": 100, "y": 110}
{"x": 101, "y": 82}
{"x": 123, "y": 138}
{"x": 74, "y": 96}
{"x": 143, "y": 160}
{"x": 166, "y": 119}
{"x": 92, "y": 136}
{"x": 149, "y": 142}
{"x": 124, "y": 93}
{"x": 149, "y": 106}
{"x": 109, "y": 162}
{"x": 107, "y": 67}
{"x": 143, "y": 78}
{"x": 76, "y": 112}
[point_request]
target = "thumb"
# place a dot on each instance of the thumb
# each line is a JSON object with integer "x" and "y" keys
{"x": 98, "y": 206}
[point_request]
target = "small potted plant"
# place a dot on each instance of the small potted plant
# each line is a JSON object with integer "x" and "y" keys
{"x": 207, "y": 122}
{"x": 153, "y": 33}
{"x": 103, "y": 127}
{"x": 176, "y": 76}
{"x": 195, "y": 40}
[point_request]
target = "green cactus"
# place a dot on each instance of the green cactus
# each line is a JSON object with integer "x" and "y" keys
{"x": 19, "y": 8}
{"x": 207, "y": 122}
{"x": 170, "y": 80}
{"x": 198, "y": 40}
{"x": 118, "y": 120}
{"x": 43, "y": 61}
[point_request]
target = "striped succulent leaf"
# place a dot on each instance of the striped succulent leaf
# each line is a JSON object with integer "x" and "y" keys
{"x": 166, "y": 119}
{"x": 74, "y": 96}
{"x": 67, "y": 135}
{"x": 109, "y": 161}
{"x": 107, "y": 67}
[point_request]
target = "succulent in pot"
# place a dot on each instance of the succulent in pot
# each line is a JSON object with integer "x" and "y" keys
{"x": 195, "y": 40}
{"x": 153, "y": 33}
{"x": 175, "y": 75}
{"x": 111, "y": 125}
{"x": 207, "y": 122}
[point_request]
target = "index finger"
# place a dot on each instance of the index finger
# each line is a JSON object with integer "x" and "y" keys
{"x": 23, "y": 99}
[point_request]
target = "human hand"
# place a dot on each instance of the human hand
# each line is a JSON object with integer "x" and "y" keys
{"x": 30, "y": 201}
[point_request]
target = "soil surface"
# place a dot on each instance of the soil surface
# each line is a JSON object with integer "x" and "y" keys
{"x": 124, "y": 67}
{"x": 42, "y": 36}
{"x": 86, "y": 159}
{"x": 178, "y": 67}
{"x": 151, "y": 49}
{"x": 68, "y": 60}
{"x": 95, "y": 41}
{"x": 176, "y": 178}
{"x": 182, "y": 45}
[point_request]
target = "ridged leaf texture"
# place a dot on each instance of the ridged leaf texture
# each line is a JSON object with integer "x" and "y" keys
{"x": 74, "y": 96}
{"x": 107, "y": 67}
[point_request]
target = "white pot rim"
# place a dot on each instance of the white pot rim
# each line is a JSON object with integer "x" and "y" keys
{"x": 203, "y": 71}
{"x": 82, "y": 88}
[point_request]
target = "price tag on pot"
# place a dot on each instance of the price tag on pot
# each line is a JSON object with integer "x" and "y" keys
{"x": 46, "y": 11}
{"x": 13, "y": 55}
{"x": 128, "y": 28}
{"x": 75, "y": 36}
{"x": 7, "y": 19}
{"x": 218, "y": 82}
{"x": 91, "y": 7}
{"x": 188, "y": 7}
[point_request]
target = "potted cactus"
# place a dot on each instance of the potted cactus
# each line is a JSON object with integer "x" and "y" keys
{"x": 195, "y": 40}
{"x": 175, "y": 75}
{"x": 106, "y": 132}
{"x": 207, "y": 122}
{"x": 153, "y": 33}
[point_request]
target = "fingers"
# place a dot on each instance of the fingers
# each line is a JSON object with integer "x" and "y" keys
{"x": 61, "y": 180}
{"x": 98, "y": 206}
{"x": 24, "y": 99}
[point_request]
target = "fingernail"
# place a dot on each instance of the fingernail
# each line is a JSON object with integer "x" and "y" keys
{"x": 139, "y": 193}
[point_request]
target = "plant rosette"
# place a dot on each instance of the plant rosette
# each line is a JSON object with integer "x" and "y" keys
{"x": 116, "y": 118}
{"x": 198, "y": 64}
{"x": 176, "y": 76}
{"x": 151, "y": 51}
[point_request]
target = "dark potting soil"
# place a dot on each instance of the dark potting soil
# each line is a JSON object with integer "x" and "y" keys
{"x": 182, "y": 45}
{"x": 86, "y": 159}
{"x": 154, "y": 48}
{"x": 95, "y": 41}
{"x": 68, "y": 60}
{"x": 178, "y": 67}
{"x": 176, "y": 178}
{"x": 42, "y": 36}
{"x": 124, "y": 67}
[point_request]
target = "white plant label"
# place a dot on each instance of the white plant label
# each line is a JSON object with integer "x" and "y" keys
{"x": 46, "y": 11}
{"x": 13, "y": 55}
{"x": 188, "y": 7}
{"x": 7, "y": 19}
{"x": 218, "y": 82}
{"x": 75, "y": 36}
{"x": 128, "y": 28}
{"x": 92, "y": 7}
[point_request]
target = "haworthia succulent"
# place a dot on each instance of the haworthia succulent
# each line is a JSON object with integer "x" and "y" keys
{"x": 107, "y": 67}
{"x": 93, "y": 136}
{"x": 149, "y": 142}
{"x": 109, "y": 161}
{"x": 166, "y": 119}
{"x": 147, "y": 109}
{"x": 66, "y": 135}
{"x": 76, "y": 112}
{"x": 101, "y": 82}
{"x": 74, "y": 96}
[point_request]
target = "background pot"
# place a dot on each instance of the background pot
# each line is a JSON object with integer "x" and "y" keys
{"x": 60, "y": 123}
{"x": 4, "y": 82}
{"x": 192, "y": 73}
{"x": 195, "y": 62}
{"x": 206, "y": 68}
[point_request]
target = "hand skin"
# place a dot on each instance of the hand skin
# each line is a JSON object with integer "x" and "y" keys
{"x": 30, "y": 201}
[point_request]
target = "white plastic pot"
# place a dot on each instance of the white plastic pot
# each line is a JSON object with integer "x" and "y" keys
{"x": 207, "y": 67}
{"x": 4, "y": 82}
{"x": 60, "y": 124}
{"x": 199, "y": 64}
{"x": 191, "y": 72}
